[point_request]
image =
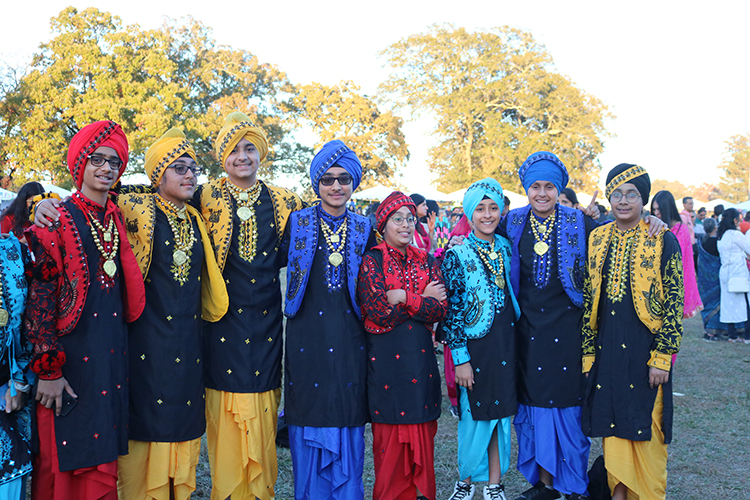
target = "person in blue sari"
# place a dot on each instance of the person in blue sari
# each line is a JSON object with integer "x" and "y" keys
{"x": 709, "y": 287}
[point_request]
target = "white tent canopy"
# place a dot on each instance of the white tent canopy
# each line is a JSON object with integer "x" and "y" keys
{"x": 375, "y": 193}
{"x": 516, "y": 200}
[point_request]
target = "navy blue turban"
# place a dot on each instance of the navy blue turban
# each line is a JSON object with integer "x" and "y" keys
{"x": 543, "y": 166}
{"x": 338, "y": 154}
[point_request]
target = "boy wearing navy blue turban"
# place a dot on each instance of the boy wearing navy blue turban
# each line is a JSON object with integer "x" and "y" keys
{"x": 326, "y": 352}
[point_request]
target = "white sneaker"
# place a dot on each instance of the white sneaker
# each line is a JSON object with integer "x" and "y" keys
{"x": 463, "y": 491}
{"x": 494, "y": 492}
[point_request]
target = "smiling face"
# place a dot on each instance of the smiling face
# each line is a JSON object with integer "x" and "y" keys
{"x": 98, "y": 180}
{"x": 627, "y": 213}
{"x": 399, "y": 235}
{"x": 242, "y": 164}
{"x": 179, "y": 188}
{"x": 333, "y": 198}
{"x": 542, "y": 197}
{"x": 485, "y": 219}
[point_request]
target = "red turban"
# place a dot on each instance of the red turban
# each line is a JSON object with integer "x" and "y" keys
{"x": 390, "y": 205}
{"x": 103, "y": 133}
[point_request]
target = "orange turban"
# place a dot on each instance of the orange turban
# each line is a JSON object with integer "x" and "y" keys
{"x": 88, "y": 139}
{"x": 164, "y": 152}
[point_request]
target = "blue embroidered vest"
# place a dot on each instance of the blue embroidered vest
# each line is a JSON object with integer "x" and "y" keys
{"x": 303, "y": 242}
{"x": 571, "y": 248}
{"x": 483, "y": 296}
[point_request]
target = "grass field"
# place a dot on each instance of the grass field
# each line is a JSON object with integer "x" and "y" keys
{"x": 709, "y": 457}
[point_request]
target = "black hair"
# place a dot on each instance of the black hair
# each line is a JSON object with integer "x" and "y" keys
{"x": 686, "y": 198}
{"x": 727, "y": 221}
{"x": 432, "y": 206}
{"x": 570, "y": 195}
{"x": 18, "y": 209}
{"x": 718, "y": 210}
{"x": 507, "y": 201}
{"x": 667, "y": 208}
{"x": 702, "y": 210}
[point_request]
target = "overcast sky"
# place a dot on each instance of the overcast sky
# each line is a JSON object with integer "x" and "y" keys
{"x": 675, "y": 76}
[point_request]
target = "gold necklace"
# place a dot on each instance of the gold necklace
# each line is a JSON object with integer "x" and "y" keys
{"x": 542, "y": 232}
{"x": 183, "y": 232}
{"x": 490, "y": 256}
{"x": 3, "y": 312}
{"x": 110, "y": 234}
{"x": 332, "y": 238}
{"x": 248, "y": 234}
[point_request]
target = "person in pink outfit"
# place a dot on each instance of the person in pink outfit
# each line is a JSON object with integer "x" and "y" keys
{"x": 664, "y": 207}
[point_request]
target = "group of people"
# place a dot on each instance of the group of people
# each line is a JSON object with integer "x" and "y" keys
{"x": 153, "y": 314}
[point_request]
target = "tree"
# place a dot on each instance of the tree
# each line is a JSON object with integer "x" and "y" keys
{"x": 341, "y": 112}
{"x": 497, "y": 99}
{"x": 148, "y": 81}
{"x": 735, "y": 181}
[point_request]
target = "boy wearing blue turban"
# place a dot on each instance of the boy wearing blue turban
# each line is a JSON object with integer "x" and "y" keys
{"x": 326, "y": 352}
{"x": 479, "y": 329}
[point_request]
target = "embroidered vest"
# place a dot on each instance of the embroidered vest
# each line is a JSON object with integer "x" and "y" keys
{"x": 645, "y": 273}
{"x": 14, "y": 302}
{"x": 479, "y": 311}
{"x": 303, "y": 243}
{"x": 571, "y": 248}
{"x": 216, "y": 207}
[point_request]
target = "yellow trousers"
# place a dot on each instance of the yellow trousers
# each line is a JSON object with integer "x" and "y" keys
{"x": 241, "y": 432}
{"x": 639, "y": 465}
{"x": 146, "y": 471}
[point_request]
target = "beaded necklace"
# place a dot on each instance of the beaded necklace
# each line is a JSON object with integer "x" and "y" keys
{"x": 335, "y": 241}
{"x": 183, "y": 235}
{"x": 619, "y": 262}
{"x": 248, "y": 235}
{"x": 109, "y": 235}
{"x": 492, "y": 261}
{"x": 542, "y": 231}
{"x": 334, "y": 231}
{"x": 3, "y": 312}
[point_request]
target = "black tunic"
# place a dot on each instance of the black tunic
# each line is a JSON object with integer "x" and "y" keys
{"x": 326, "y": 355}
{"x": 549, "y": 335}
{"x": 619, "y": 400}
{"x": 403, "y": 381}
{"x": 96, "y": 366}
{"x": 243, "y": 349}
{"x": 166, "y": 365}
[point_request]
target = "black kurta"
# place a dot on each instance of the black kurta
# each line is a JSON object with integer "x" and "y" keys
{"x": 619, "y": 401}
{"x": 326, "y": 355}
{"x": 549, "y": 334}
{"x": 243, "y": 349}
{"x": 95, "y": 431}
{"x": 166, "y": 365}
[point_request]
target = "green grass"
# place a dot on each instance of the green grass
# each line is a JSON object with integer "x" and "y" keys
{"x": 708, "y": 457}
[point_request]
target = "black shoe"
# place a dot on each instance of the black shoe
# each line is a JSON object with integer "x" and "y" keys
{"x": 710, "y": 338}
{"x": 540, "y": 492}
{"x": 577, "y": 496}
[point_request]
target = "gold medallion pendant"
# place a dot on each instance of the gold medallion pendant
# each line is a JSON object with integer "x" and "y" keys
{"x": 500, "y": 281}
{"x": 493, "y": 255}
{"x": 540, "y": 247}
{"x": 335, "y": 238}
{"x": 244, "y": 213}
{"x": 3, "y": 317}
{"x": 243, "y": 196}
{"x": 110, "y": 267}
{"x": 107, "y": 236}
{"x": 336, "y": 259}
{"x": 179, "y": 257}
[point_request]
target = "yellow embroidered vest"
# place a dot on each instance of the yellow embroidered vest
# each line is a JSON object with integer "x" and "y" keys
{"x": 644, "y": 269}
{"x": 216, "y": 206}
{"x": 139, "y": 211}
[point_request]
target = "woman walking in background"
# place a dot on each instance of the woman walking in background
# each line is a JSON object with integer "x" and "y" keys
{"x": 709, "y": 266}
{"x": 734, "y": 276}
{"x": 664, "y": 207}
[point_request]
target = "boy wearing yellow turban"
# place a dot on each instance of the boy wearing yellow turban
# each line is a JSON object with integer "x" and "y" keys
{"x": 247, "y": 219}
{"x": 184, "y": 287}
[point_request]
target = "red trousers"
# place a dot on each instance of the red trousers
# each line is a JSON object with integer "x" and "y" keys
{"x": 48, "y": 483}
{"x": 404, "y": 460}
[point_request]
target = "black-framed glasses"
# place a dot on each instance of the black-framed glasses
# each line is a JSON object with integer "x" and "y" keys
{"x": 182, "y": 168}
{"x": 631, "y": 197}
{"x": 400, "y": 219}
{"x": 344, "y": 180}
{"x": 99, "y": 161}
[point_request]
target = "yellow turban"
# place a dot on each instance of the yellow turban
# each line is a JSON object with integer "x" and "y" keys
{"x": 164, "y": 152}
{"x": 236, "y": 126}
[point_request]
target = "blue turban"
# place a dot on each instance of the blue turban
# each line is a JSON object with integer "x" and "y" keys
{"x": 543, "y": 166}
{"x": 488, "y": 187}
{"x": 335, "y": 152}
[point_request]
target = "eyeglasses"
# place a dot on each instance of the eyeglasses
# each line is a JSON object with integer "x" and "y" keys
{"x": 399, "y": 220}
{"x": 182, "y": 168}
{"x": 344, "y": 180}
{"x": 98, "y": 161}
{"x": 631, "y": 197}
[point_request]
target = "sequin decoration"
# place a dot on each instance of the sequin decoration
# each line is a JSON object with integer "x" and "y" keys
{"x": 248, "y": 234}
{"x": 619, "y": 249}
